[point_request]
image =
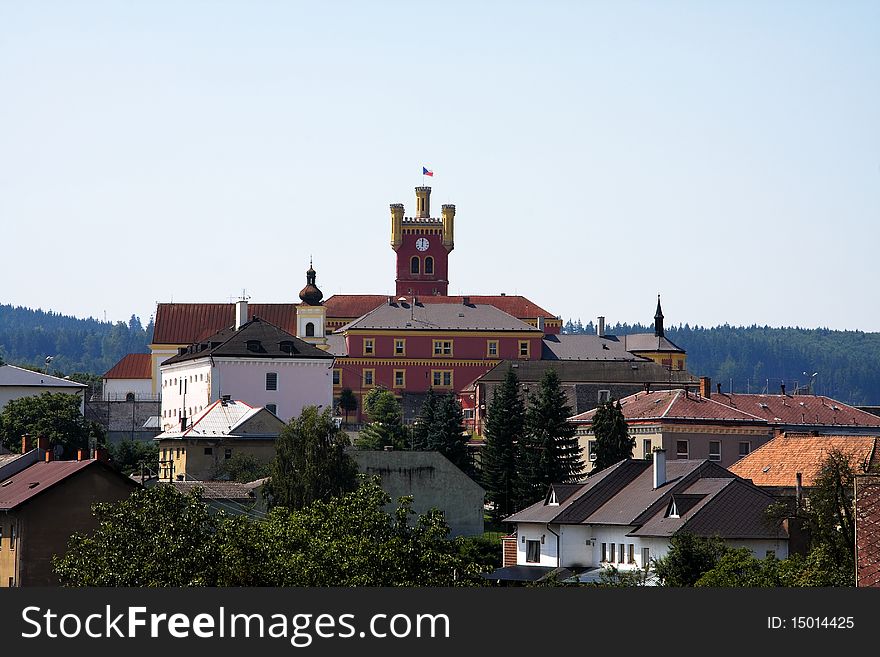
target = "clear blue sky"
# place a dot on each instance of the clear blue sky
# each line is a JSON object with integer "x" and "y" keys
{"x": 726, "y": 155}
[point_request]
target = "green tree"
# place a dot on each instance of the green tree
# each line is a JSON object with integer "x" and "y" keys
{"x": 505, "y": 422}
{"x": 310, "y": 461}
{"x": 54, "y": 415}
{"x": 740, "y": 568}
{"x": 243, "y": 468}
{"x": 130, "y": 455}
{"x": 441, "y": 429}
{"x": 424, "y": 424}
{"x": 549, "y": 452}
{"x": 347, "y": 402}
{"x": 613, "y": 442}
{"x": 689, "y": 557}
{"x": 155, "y": 537}
{"x": 386, "y": 422}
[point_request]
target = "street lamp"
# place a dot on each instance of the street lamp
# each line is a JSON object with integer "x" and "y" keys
{"x": 49, "y": 359}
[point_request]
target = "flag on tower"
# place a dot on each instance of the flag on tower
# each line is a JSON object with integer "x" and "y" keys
{"x": 425, "y": 172}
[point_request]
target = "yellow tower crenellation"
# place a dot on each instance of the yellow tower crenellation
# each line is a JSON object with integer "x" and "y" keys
{"x": 423, "y": 202}
{"x": 396, "y": 225}
{"x": 448, "y": 214}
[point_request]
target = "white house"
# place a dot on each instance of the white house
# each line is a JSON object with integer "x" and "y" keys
{"x": 625, "y": 515}
{"x": 17, "y": 382}
{"x": 129, "y": 380}
{"x": 252, "y": 361}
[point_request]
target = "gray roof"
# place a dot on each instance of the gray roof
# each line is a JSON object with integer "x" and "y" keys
{"x": 336, "y": 344}
{"x": 403, "y": 315}
{"x": 649, "y": 342}
{"x": 10, "y": 375}
{"x": 587, "y": 371}
{"x": 585, "y": 347}
{"x": 255, "y": 339}
{"x": 217, "y": 490}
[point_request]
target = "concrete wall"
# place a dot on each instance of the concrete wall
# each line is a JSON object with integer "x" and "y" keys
{"x": 117, "y": 389}
{"x": 433, "y": 481}
{"x": 124, "y": 420}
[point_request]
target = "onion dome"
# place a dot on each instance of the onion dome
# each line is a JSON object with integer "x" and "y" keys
{"x": 310, "y": 294}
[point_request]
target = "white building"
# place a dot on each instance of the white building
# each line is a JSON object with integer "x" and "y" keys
{"x": 17, "y": 382}
{"x": 129, "y": 380}
{"x": 252, "y": 361}
{"x": 625, "y": 516}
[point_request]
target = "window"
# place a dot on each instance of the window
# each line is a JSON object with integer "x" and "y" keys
{"x": 400, "y": 347}
{"x": 533, "y": 551}
{"x": 399, "y": 378}
{"x": 604, "y": 552}
{"x": 337, "y": 377}
{"x": 271, "y": 380}
{"x": 272, "y": 408}
{"x": 369, "y": 376}
{"x": 621, "y": 553}
{"x": 253, "y": 345}
{"x": 591, "y": 446}
{"x": 467, "y": 413}
{"x": 681, "y": 449}
{"x": 1, "y": 535}
{"x": 209, "y": 451}
{"x": 491, "y": 348}
{"x": 442, "y": 378}
{"x": 647, "y": 449}
{"x": 310, "y": 329}
{"x": 442, "y": 347}
{"x": 523, "y": 348}
{"x": 227, "y": 453}
{"x": 714, "y": 450}
{"x": 12, "y": 536}
{"x": 287, "y": 346}
{"x": 604, "y": 396}
{"x": 745, "y": 448}
{"x": 611, "y": 547}
{"x": 11, "y": 582}
{"x": 631, "y": 554}
{"x": 129, "y": 396}
{"x": 368, "y": 346}
{"x": 414, "y": 265}
{"x": 429, "y": 265}
{"x": 646, "y": 558}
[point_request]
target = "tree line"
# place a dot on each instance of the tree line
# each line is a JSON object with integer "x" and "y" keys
{"x": 761, "y": 358}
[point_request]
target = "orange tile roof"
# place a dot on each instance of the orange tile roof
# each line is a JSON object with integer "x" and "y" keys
{"x": 675, "y": 405}
{"x": 352, "y": 306}
{"x": 799, "y": 409}
{"x": 132, "y": 366}
{"x": 185, "y": 323}
{"x": 777, "y": 462}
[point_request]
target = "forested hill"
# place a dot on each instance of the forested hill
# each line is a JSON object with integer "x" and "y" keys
{"x": 76, "y": 345}
{"x": 759, "y": 358}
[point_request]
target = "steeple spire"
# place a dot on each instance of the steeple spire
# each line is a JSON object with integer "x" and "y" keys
{"x": 310, "y": 294}
{"x": 658, "y": 320}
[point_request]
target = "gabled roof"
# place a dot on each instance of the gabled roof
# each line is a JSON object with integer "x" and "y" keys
{"x": 10, "y": 375}
{"x": 585, "y": 347}
{"x": 186, "y": 323}
{"x": 41, "y": 476}
{"x": 709, "y": 501}
{"x": 405, "y": 316}
{"x": 592, "y": 371}
{"x": 348, "y": 306}
{"x": 675, "y": 405}
{"x": 807, "y": 410}
{"x": 255, "y": 339}
{"x": 777, "y": 462}
{"x": 131, "y": 366}
{"x": 636, "y": 342}
{"x": 230, "y": 418}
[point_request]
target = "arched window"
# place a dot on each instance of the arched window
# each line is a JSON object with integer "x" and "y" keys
{"x": 129, "y": 396}
{"x": 310, "y": 330}
{"x": 429, "y": 265}
{"x": 414, "y": 265}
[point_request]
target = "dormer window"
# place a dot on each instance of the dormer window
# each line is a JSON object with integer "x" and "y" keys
{"x": 672, "y": 509}
{"x": 286, "y": 346}
{"x": 253, "y": 345}
{"x": 552, "y": 501}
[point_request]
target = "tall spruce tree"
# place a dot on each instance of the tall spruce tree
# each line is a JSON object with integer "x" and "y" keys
{"x": 386, "y": 422}
{"x": 449, "y": 437}
{"x": 549, "y": 452}
{"x": 504, "y": 429}
{"x": 613, "y": 442}
{"x": 424, "y": 424}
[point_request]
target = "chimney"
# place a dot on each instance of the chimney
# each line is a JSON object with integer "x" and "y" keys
{"x": 705, "y": 387}
{"x": 43, "y": 443}
{"x": 782, "y": 387}
{"x": 718, "y": 387}
{"x": 25, "y": 439}
{"x": 183, "y": 422}
{"x": 241, "y": 313}
{"x": 541, "y": 324}
{"x": 50, "y": 455}
{"x": 799, "y": 488}
{"x": 466, "y": 301}
{"x": 102, "y": 454}
{"x": 80, "y": 454}
{"x": 659, "y": 467}
{"x": 600, "y": 331}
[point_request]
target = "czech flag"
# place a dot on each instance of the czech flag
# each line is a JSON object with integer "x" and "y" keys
{"x": 425, "y": 172}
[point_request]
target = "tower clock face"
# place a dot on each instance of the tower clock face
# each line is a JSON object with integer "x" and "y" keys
{"x": 422, "y": 244}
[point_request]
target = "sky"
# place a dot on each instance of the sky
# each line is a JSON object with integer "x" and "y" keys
{"x": 725, "y": 155}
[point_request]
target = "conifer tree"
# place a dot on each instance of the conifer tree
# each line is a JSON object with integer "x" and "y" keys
{"x": 549, "y": 452}
{"x": 425, "y": 422}
{"x": 386, "y": 422}
{"x": 449, "y": 437}
{"x": 504, "y": 429}
{"x": 613, "y": 442}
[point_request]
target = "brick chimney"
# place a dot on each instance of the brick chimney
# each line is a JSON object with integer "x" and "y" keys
{"x": 25, "y": 439}
{"x": 102, "y": 454}
{"x": 43, "y": 443}
{"x": 50, "y": 455}
{"x": 80, "y": 454}
{"x": 705, "y": 387}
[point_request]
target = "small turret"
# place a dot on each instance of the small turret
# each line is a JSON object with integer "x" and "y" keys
{"x": 658, "y": 320}
{"x": 423, "y": 202}
{"x": 310, "y": 294}
{"x": 448, "y": 214}
{"x": 396, "y": 225}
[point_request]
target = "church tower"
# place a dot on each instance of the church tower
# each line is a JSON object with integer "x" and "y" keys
{"x": 311, "y": 315}
{"x": 422, "y": 244}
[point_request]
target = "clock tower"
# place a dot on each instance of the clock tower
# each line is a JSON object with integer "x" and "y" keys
{"x": 422, "y": 244}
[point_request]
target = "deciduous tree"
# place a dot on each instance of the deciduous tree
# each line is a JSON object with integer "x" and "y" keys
{"x": 54, "y": 415}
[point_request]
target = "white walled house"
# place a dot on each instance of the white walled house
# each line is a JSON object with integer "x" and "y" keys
{"x": 625, "y": 516}
{"x": 17, "y": 382}
{"x": 255, "y": 362}
{"x": 130, "y": 379}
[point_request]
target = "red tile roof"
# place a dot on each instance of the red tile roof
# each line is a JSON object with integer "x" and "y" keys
{"x": 185, "y": 323}
{"x": 33, "y": 480}
{"x": 777, "y": 462}
{"x": 132, "y": 366}
{"x": 867, "y": 503}
{"x": 799, "y": 409}
{"x": 351, "y": 306}
{"x": 675, "y": 405}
